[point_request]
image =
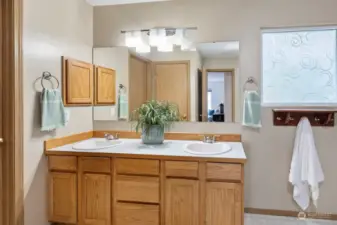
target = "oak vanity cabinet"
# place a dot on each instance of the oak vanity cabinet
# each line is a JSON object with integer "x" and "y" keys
{"x": 62, "y": 193}
{"x": 77, "y": 82}
{"x": 94, "y": 196}
{"x": 130, "y": 191}
{"x": 105, "y": 86}
{"x": 181, "y": 193}
{"x": 224, "y": 191}
{"x": 137, "y": 192}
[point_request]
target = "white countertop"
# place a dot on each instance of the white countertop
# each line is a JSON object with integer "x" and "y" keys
{"x": 168, "y": 148}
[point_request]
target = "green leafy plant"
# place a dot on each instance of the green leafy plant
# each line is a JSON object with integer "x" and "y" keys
{"x": 161, "y": 113}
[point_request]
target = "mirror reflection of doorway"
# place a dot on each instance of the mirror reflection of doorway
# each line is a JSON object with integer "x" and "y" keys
{"x": 220, "y": 96}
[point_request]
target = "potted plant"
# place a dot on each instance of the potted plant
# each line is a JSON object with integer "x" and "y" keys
{"x": 152, "y": 118}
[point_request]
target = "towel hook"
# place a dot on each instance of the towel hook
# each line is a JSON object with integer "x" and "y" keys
{"x": 288, "y": 118}
{"x": 47, "y": 76}
{"x": 329, "y": 119}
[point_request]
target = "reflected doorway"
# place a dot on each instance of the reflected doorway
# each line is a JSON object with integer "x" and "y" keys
{"x": 219, "y": 95}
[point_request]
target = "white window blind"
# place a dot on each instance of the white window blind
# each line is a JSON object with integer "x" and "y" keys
{"x": 299, "y": 68}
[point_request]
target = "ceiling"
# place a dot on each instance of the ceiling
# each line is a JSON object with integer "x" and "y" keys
{"x": 119, "y": 2}
{"x": 218, "y": 50}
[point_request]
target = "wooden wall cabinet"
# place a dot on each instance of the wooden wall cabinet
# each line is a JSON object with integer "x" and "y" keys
{"x": 77, "y": 82}
{"x": 128, "y": 191}
{"x": 83, "y": 85}
{"x": 105, "y": 86}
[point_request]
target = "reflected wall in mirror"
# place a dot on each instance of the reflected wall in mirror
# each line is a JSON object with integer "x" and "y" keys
{"x": 201, "y": 80}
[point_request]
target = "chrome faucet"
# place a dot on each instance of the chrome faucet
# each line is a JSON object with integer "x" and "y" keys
{"x": 210, "y": 139}
{"x": 108, "y": 136}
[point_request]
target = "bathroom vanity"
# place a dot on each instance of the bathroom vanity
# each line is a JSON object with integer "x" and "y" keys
{"x": 134, "y": 184}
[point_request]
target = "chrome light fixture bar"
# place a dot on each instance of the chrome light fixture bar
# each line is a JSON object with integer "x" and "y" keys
{"x": 169, "y": 30}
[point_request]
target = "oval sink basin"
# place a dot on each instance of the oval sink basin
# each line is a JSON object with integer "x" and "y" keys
{"x": 93, "y": 144}
{"x": 207, "y": 149}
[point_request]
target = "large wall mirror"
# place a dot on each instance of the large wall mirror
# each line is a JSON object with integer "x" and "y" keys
{"x": 202, "y": 81}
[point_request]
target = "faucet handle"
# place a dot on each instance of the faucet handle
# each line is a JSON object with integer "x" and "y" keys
{"x": 215, "y": 136}
{"x": 204, "y": 137}
{"x": 211, "y": 138}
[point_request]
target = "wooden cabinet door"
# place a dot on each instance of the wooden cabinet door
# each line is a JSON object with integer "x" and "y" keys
{"x": 95, "y": 199}
{"x": 77, "y": 82}
{"x": 181, "y": 202}
{"x": 62, "y": 197}
{"x": 105, "y": 86}
{"x": 223, "y": 204}
{"x": 173, "y": 85}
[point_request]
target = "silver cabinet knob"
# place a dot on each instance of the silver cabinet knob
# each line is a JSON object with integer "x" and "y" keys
{"x": 1, "y": 140}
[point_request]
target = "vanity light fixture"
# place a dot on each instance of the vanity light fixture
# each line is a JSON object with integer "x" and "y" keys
{"x": 156, "y": 37}
{"x": 163, "y": 38}
{"x": 144, "y": 48}
{"x": 178, "y": 37}
{"x": 133, "y": 39}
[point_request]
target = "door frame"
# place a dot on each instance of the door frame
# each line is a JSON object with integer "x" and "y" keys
{"x": 205, "y": 88}
{"x": 188, "y": 64}
{"x": 11, "y": 148}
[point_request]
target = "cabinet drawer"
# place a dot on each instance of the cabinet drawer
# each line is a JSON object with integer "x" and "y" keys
{"x": 95, "y": 164}
{"x": 63, "y": 163}
{"x": 137, "y": 166}
{"x": 137, "y": 189}
{"x": 223, "y": 171}
{"x": 181, "y": 169}
{"x": 136, "y": 214}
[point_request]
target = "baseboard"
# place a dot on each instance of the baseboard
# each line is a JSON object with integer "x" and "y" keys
{"x": 300, "y": 215}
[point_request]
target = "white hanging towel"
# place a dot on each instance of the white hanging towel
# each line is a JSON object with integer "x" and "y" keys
{"x": 305, "y": 172}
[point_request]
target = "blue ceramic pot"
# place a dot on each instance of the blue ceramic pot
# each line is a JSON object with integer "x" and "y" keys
{"x": 154, "y": 135}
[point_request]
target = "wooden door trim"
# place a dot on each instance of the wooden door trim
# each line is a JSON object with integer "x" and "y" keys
{"x": 188, "y": 64}
{"x": 138, "y": 57}
{"x": 148, "y": 77}
{"x": 205, "y": 87}
{"x": 149, "y": 74}
{"x": 12, "y": 109}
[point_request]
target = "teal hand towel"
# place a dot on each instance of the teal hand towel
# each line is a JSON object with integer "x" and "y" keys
{"x": 52, "y": 110}
{"x": 122, "y": 106}
{"x": 251, "y": 109}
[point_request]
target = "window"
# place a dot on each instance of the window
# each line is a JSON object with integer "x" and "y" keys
{"x": 299, "y": 68}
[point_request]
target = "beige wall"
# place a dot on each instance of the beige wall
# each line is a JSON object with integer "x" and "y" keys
{"x": 51, "y": 29}
{"x": 116, "y": 58}
{"x": 268, "y": 149}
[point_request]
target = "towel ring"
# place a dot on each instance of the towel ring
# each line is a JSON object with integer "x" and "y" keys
{"x": 47, "y": 76}
{"x": 250, "y": 80}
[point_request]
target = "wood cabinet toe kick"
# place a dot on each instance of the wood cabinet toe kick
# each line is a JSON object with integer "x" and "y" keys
{"x": 113, "y": 190}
